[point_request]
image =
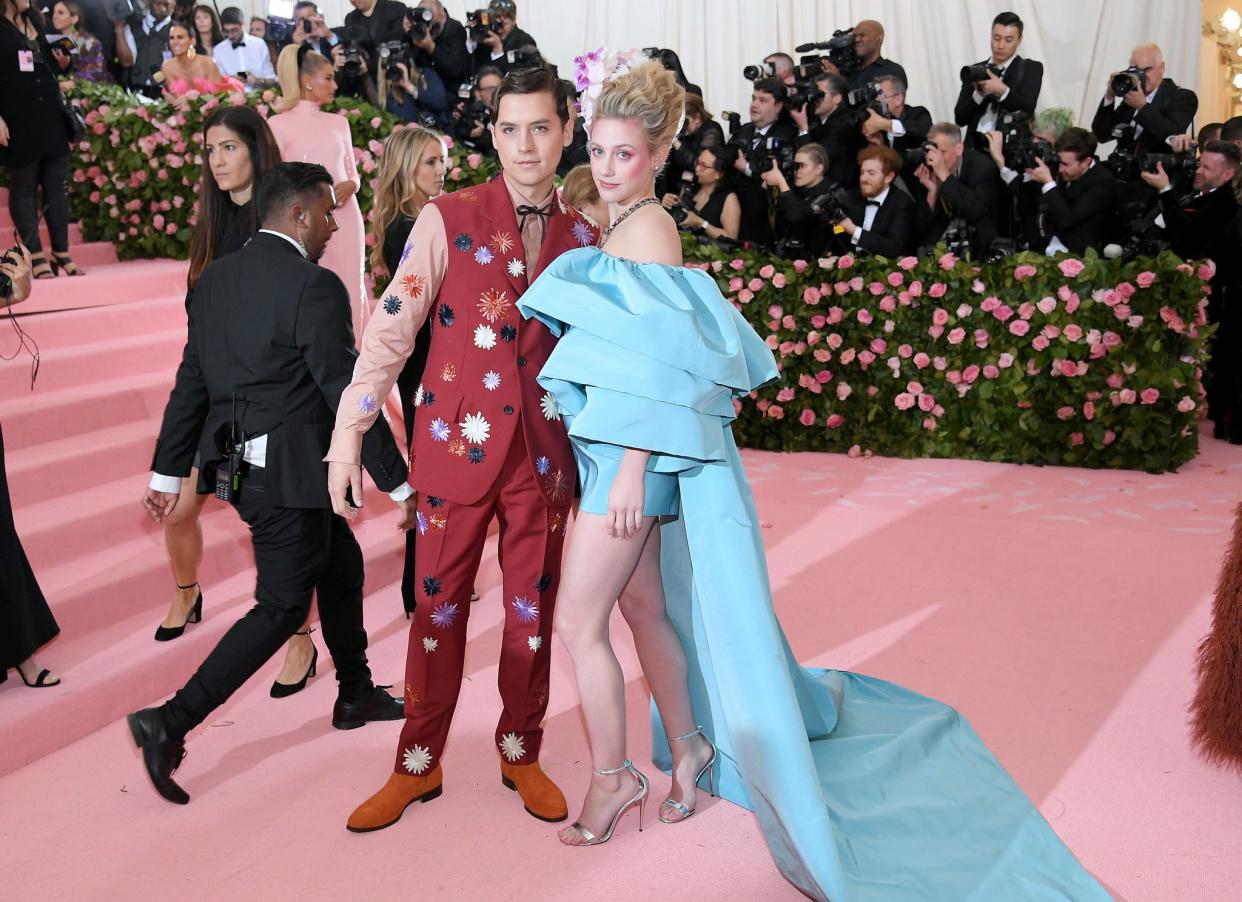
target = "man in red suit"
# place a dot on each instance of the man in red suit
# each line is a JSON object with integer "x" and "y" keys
{"x": 488, "y": 441}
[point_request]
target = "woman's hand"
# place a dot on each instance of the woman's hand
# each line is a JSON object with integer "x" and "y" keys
{"x": 4, "y": 133}
{"x": 669, "y": 200}
{"x": 694, "y": 220}
{"x": 343, "y": 191}
{"x": 625, "y": 503}
{"x": 18, "y": 266}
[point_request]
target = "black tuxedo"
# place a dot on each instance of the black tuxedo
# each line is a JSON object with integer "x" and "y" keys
{"x": 386, "y": 23}
{"x": 270, "y": 332}
{"x": 840, "y": 135}
{"x": 1023, "y": 77}
{"x": 1080, "y": 213}
{"x": 797, "y": 223}
{"x": 450, "y": 58}
{"x": 889, "y": 235}
{"x": 877, "y": 69}
{"x": 750, "y": 140}
{"x": 1169, "y": 113}
{"x": 969, "y": 195}
{"x": 516, "y": 40}
{"x": 917, "y": 122}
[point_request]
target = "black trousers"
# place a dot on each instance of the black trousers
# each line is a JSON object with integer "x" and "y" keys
{"x": 24, "y": 182}
{"x": 297, "y": 553}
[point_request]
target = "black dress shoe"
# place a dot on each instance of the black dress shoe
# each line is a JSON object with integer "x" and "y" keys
{"x": 373, "y": 704}
{"x": 160, "y": 753}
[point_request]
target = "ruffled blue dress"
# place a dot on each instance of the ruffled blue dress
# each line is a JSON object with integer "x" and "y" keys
{"x": 864, "y": 790}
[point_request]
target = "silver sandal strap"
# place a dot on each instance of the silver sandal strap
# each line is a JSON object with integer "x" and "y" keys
{"x": 697, "y": 731}
{"x": 628, "y": 765}
{"x": 585, "y": 833}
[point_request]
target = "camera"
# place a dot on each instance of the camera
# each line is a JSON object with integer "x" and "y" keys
{"x": 1176, "y": 165}
{"x": 420, "y": 22}
{"x": 471, "y": 112}
{"x": 685, "y": 199}
{"x": 914, "y": 157}
{"x": 828, "y": 209}
{"x": 841, "y": 51}
{"x": 12, "y": 257}
{"x": 64, "y": 43}
{"x": 869, "y": 97}
{"x": 123, "y": 9}
{"x": 754, "y": 73}
{"x": 960, "y": 239}
{"x": 734, "y": 120}
{"x": 1022, "y": 150}
{"x": 280, "y": 24}
{"x": 804, "y": 91}
{"x": 480, "y": 23}
{"x": 524, "y": 57}
{"x": 390, "y": 54}
{"x": 1132, "y": 78}
{"x": 353, "y": 59}
{"x": 979, "y": 72}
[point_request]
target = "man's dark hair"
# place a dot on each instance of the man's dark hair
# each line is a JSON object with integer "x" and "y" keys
{"x": 285, "y": 183}
{"x": 1078, "y": 141}
{"x": 1226, "y": 149}
{"x": 487, "y": 70}
{"x": 774, "y": 86}
{"x": 302, "y": 4}
{"x": 1209, "y": 132}
{"x": 1009, "y": 20}
{"x": 532, "y": 81}
{"x": 833, "y": 84}
{"x": 232, "y": 15}
{"x": 1232, "y": 129}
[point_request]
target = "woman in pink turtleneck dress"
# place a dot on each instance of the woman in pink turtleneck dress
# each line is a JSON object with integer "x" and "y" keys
{"x": 306, "y": 134}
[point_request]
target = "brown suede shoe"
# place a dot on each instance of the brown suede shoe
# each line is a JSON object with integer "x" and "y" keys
{"x": 400, "y": 792}
{"x": 539, "y": 794}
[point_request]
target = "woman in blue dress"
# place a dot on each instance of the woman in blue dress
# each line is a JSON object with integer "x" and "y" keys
{"x": 864, "y": 790}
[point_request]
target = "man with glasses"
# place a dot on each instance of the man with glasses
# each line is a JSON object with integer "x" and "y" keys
{"x": 240, "y": 54}
{"x": 1154, "y": 105}
{"x": 905, "y": 126}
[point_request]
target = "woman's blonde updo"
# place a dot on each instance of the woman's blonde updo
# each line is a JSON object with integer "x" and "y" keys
{"x": 649, "y": 93}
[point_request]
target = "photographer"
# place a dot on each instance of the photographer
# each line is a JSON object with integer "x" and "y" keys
{"x": 879, "y": 217}
{"x": 413, "y": 95}
{"x": 780, "y": 65}
{"x": 491, "y": 46}
{"x": 798, "y": 228}
{"x": 905, "y": 127}
{"x": 1144, "y": 106}
{"x": 441, "y": 42}
{"x": 309, "y": 27}
{"x": 242, "y": 55}
{"x": 1077, "y": 208}
{"x": 868, "y": 42}
{"x": 377, "y": 21}
{"x": 1020, "y": 196}
{"x": 767, "y": 104}
{"x": 708, "y": 203}
{"x": 960, "y": 185}
{"x": 699, "y": 130}
{"x": 1010, "y": 82}
{"x": 833, "y": 126}
{"x": 142, "y": 43}
{"x": 474, "y": 115}
{"x": 351, "y": 64}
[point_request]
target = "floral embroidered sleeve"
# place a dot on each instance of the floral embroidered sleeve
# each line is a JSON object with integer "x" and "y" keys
{"x": 389, "y": 337}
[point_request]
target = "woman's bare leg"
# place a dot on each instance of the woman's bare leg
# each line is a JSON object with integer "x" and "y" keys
{"x": 183, "y": 537}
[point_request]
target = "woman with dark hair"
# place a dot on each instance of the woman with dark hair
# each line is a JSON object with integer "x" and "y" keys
{"x": 207, "y": 30}
{"x": 714, "y": 208}
{"x": 88, "y": 64}
{"x": 188, "y": 70}
{"x": 34, "y": 136}
{"x": 238, "y": 148}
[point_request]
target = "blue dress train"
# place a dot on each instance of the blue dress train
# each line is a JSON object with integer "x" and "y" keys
{"x": 864, "y": 790}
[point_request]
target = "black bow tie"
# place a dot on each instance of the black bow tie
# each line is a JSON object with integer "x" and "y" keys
{"x": 873, "y": 203}
{"x": 526, "y": 211}
{"x": 238, "y": 45}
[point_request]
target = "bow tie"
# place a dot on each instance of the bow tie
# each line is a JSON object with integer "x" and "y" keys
{"x": 873, "y": 203}
{"x": 238, "y": 45}
{"x": 525, "y": 211}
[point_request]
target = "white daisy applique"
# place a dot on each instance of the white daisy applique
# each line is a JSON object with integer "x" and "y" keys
{"x": 511, "y": 746}
{"x": 439, "y": 430}
{"x": 534, "y": 642}
{"x": 484, "y": 338}
{"x": 516, "y": 267}
{"x": 430, "y": 644}
{"x": 475, "y": 429}
{"x": 419, "y": 396}
{"x": 482, "y": 255}
{"x": 491, "y": 380}
{"x": 551, "y": 410}
{"x": 417, "y": 759}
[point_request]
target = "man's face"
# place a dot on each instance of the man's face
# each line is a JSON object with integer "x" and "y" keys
{"x": 896, "y": 100}
{"x": 1005, "y": 41}
{"x": 872, "y": 179}
{"x": 161, "y": 9}
{"x": 302, "y": 13}
{"x": 1070, "y": 168}
{"x": 363, "y": 6}
{"x": 828, "y": 103}
{"x": 867, "y": 40}
{"x": 437, "y": 11}
{"x": 1214, "y": 170}
{"x": 529, "y": 137}
{"x": 232, "y": 31}
{"x": 1153, "y": 69}
{"x": 258, "y": 28}
{"x": 764, "y": 109}
{"x": 506, "y": 22}
{"x": 487, "y": 88}
{"x": 314, "y": 222}
{"x": 950, "y": 152}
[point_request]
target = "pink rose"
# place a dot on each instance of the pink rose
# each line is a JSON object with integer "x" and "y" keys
{"x": 823, "y": 377}
{"x": 904, "y": 401}
{"x": 1109, "y": 436}
{"x": 474, "y": 160}
{"x": 845, "y": 261}
{"x": 905, "y": 351}
{"x": 896, "y": 279}
{"x": 876, "y": 288}
{"x": 956, "y": 336}
{"x": 745, "y": 295}
{"x": 1046, "y": 305}
{"x": 1111, "y": 339}
{"x": 921, "y": 360}
{"x": 1071, "y": 305}
{"x": 1135, "y": 321}
{"x": 953, "y": 377}
{"x": 1125, "y": 291}
{"x": 879, "y": 345}
{"x": 865, "y": 317}
{"x": 847, "y": 356}
{"x": 735, "y": 284}
{"x": 1076, "y": 438}
{"x": 929, "y": 423}
{"x": 170, "y": 229}
{"x": 935, "y": 331}
{"x": 807, "y": 417}
{"x": 1073, "y": 332}
{"x": 772, "y": 342}
{"x": 970, "y": 374}
{"x": 778, "y": 280}
{"x": 948, "y": 261}
{"x": 854, "y": 451}
{"x": 767, "y": 271}
{"x": 939, "y": 363}
{"x": 1127, "y": 396}
{"x": 1149, "y": 395}
{"x": 1065, "y": 413}
{"x": 1207, "y": 269}
{"x": 888, "y": 304}
{"x": 1024, "y": 272}
{"x": 991, "y": 372}
{"x": 1088, "y": 410}
{"x": 776, "y": 412}
{"x": 810, "y": 295}
{"x": 1040, "y": 343}
{"x": 843, "y": 391}
{"x": 1186, "y": 405}
{"x": 940, "y": 316}
{"x": 835, "y": 314}
{"x": 865, "y": 359}
{"x": 1005, "y": 361}
{"x": 755, "y": 284}
{"x": 737, "y": 265}
{"x": 1070, "y": 267}
{"x": 1145, "y": 279}
{"x": 937, "y": 290}
{"x": 818, "y": 321}
{"x": 927, "y": 403}
{"x": 822, "y": 355}
{"x": 1019, "y": 327}
{"x": 981, "y": 338}
{"x": 834, "y": 421}
{"x": 1067, "y": 368}
{"x": 1003, "y": 312}
{"x": 915, "y": 290}
{"x": 989, "y": 304}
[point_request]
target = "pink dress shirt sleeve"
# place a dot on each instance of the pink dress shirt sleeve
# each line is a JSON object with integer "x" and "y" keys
{"x": 389, "y": 337}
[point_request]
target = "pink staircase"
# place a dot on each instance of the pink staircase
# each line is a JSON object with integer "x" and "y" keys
{"x": 78, "y": 450}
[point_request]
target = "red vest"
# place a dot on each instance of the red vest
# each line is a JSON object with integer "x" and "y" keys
{"x": 484, "y": 359}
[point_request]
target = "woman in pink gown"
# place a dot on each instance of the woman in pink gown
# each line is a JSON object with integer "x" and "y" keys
{"x": 307, "y": 134}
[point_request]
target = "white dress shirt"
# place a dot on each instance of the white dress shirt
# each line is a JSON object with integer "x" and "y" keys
{"x": 251, "y": 57}
{"x": 987, "y": 122}
{"x": 148, "y": 23}
{"x": 255, "y": 451}
{"x": 870, "y": 211}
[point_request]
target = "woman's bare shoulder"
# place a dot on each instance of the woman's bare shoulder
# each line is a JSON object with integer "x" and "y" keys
{"x": 649, "y": 235}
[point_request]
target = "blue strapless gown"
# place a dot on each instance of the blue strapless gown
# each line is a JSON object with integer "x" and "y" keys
{"x": 864, "y": 790}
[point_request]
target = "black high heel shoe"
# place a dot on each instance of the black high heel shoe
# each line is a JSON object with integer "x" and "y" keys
{"x": 168, "y": 633}
{"x": 284, "y": 690}
{"x": 65, "y": 262}
{"x": 40, "y": 268}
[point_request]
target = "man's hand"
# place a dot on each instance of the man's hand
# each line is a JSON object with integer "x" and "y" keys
{"x": 694, "y": 220}
{"x": 875, "y": 123}
{"x": 321, "y": 28}
{"x": 799, "y": 117}
{"x": 924, "y": 174}
{"x": 1158, "y": 179}
{"x": 996, "y": 147}
{"x": 18, "y": 267}
{"x": 158, "y": 504}
{"x": 741, "y": 164}
{"x": 338, "y": 58}
{"x": 426, "y": 42}
{"x": 344, "y": 478}
{"x": 992, "y": 85}
{"x": 494, "y": 42}
{"x": 848, "y": 226}
{"x": 63, "y": 60}
{"x": 774, "y": 178}
{"x": 937, "y": 163}
{"x": 409, "y": 513}
{"x": 1182, "y": 143}
{"x": 1040, "y": 173}
{"x": 1135, "y": 99}
{"x": 1108, "y": 88}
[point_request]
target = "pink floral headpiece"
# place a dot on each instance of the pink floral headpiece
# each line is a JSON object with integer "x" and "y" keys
{"x": 592, "y": 70}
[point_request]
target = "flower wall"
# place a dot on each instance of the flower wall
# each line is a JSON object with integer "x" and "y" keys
{"x": 1085, "y": 362}
{"x": 1089, "y": 362}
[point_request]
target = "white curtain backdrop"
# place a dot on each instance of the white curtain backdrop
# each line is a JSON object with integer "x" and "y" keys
{"x": 1079, "y": 41}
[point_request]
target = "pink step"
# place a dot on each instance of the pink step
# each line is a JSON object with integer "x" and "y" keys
{"x": 68, "y": 328}
{"x": 116, "y": 283}
{"x": 46, "y": 416}
{"x": 144, "y": 352}
{"x": 8, "y": 233}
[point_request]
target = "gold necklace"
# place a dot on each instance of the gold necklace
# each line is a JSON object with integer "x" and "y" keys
{"x": 641, "y": 202}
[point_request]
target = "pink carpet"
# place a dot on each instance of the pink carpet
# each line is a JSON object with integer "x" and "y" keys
{"x": 1058, "y": 609}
